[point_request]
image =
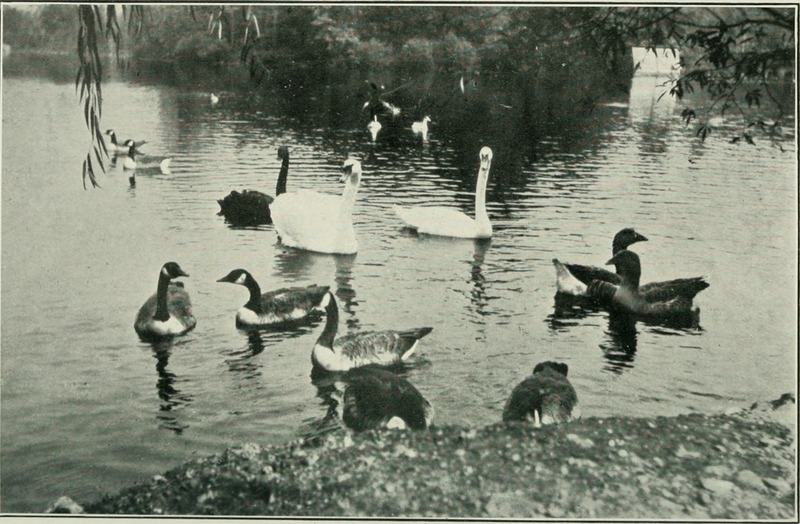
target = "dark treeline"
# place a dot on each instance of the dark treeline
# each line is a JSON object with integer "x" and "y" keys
{"x": 547, "y": 63}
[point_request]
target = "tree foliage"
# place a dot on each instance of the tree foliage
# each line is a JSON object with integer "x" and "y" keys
{"x": 739, "y": 58}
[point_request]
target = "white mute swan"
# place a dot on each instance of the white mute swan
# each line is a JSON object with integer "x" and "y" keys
{"x": 448, "y": 222}
{"x": 317, "y": 222}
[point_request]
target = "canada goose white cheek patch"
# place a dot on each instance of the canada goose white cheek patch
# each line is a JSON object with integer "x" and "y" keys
{"x": 241, "y": 279}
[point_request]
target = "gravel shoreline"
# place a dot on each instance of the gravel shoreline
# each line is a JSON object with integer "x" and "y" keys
{"x": 729, "y": 466}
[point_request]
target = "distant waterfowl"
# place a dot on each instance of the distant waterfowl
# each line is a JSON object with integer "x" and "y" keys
{"x": 545, "y": 397}
{"x": 374, "y": 128}
{"x": 318, "y": 222}
{"x": 250, "y": 208}
{"x": 377, "y": 105}
{"x": 383, "y": 348}
{"x": 421, "y": 128}
{"x": 214, "y": 99}
{"x": 130, "y": 163}
{"x": 375, "y": 398}
{"x": 282, "y": 306}
{"x": 169, "y": 311}
{"x": 449, "y": 222}
{"x": 120, "y": 147}
{"x": 666, "y": 301}
{"x": 572, "y": 279}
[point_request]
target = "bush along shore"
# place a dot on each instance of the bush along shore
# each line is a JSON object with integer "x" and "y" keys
{"x": 737, "y": 465}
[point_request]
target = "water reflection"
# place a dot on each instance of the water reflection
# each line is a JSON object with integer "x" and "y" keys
{"x": 619, "y": 348}
{"x": 172, "y": 399}
{"x": 478, "y": 296}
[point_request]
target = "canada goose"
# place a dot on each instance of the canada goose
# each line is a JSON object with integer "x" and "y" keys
{"x": 116, "y": 147}
{"x": 130, "y": 163}
{"x": 169, "y": 311}
{"x": 448, "y": 222}
{"x": 376, "y": 398}
{"x": 360, "y": 349}
{"x": 250, "y": 208}
{"x": 421, "y": 128}
{"x": 675, "y": 300}
{"x": 318, "y": 222}
{"x": 545, "y": 397}
{"x": 374, "y": 128}
{"x": 282, "y": 306}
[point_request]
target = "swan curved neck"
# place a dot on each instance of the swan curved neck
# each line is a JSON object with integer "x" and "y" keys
{"x": 481, "y": 216}
{"x": 162, "y": 311}
{"x": 350, "y": 191}
{"x": 281, "y": 187}
{"x": 331, "y": 324}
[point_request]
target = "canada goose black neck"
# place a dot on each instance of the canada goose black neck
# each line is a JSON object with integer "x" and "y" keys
{"x": 255, "y": 294}
{"x": 331, "y": 323}
{"x": 283, "y": 154}
{"x": 113, "y": 136}
{"x": 162, "y": 311}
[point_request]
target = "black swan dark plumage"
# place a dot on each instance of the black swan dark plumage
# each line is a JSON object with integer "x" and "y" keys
{"x": 251, "y": 208}
{"x": 672, "y": 298}
{"x": 544, "y": 397}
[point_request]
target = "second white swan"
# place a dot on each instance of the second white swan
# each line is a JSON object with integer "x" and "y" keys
{"x": 448, "y": 222}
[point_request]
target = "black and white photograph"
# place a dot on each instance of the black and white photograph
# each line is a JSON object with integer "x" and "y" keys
{"x": 407, "y": 261}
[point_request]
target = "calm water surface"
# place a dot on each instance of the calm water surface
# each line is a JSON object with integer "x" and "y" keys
{"x": 87, "y": 408}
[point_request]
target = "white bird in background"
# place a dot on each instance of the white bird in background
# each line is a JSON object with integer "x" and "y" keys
{"x": 374, "y": 128}
{"x": 214, "y": 99}
{"x": 421, "y": 128}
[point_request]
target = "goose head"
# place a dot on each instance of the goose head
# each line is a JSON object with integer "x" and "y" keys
{"x": 110, "y": 133}
{"x": 351, "y": 169}
{"x": 426, "y": 119}
{"x": 173, "y": 270}
{"x": 626, "y": 237}
{"x": 237, "y": 276}
{"x": 628, "y": 266}
{"x": 283, "y": 152}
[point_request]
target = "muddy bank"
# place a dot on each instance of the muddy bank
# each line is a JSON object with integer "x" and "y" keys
{"x": 727, "y": 466}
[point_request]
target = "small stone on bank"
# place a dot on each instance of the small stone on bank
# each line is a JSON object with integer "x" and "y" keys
{"x": 718, "y": 486}
{"x": 747, "y": 479}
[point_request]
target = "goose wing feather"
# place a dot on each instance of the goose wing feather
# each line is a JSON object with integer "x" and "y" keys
{"x": 286, "y": 300}
{"x": 669, "y": 289}
{"x": 588, "y": 273}
{"x": 379, "y": 347}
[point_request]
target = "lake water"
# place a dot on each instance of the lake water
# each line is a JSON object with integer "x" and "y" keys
{"x": 88, "y": 409}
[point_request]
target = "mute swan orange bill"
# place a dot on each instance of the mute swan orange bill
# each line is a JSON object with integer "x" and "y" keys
{"x": 318, "y": 222}
{"x": 448, "y": 222}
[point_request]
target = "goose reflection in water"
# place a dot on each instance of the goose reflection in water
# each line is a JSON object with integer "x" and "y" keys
{"x": 171, "y": 397}
{"x": 619, "y": 349}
